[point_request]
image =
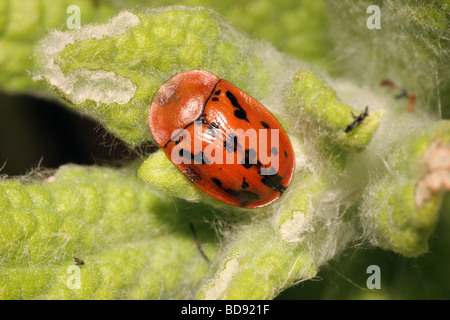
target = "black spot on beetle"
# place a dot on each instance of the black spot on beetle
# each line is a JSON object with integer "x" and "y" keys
{"x": 246, "y": 165}
{"x": 212, "y": 128}
{"x": 286, "y": 154}
{"x": 251, "y": 154}
{"x": 185, "y": 154}
{"x": 231, "y": 144}
{"x": 274, "y": 182}
{"x": 250, "y": 158}
{"x": 198, "y": 158}
{"x": 215, "y": 99}
{"x": 217, "y": 92}
{"x": 217, "y": 182}
{"x": 201, "y": 158}
{"x": 247, "y": 195}
{"x": 240, "y": 112}
{"x": 265, "y": 125}
{"x": 244, "y": 184}
{"x": 180, "y": 138}
{"x": 244, "y": 196}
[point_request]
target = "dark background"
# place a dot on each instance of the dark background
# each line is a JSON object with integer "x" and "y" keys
{"x": 40, "y": 132}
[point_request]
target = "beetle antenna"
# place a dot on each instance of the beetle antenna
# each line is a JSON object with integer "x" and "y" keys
{"x": 197, "y": 242}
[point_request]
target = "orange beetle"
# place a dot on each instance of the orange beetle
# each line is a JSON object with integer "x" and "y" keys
{"x": 223, "y": 140}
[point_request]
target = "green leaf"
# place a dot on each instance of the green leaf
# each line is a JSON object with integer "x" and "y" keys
{"x": 401, "y": 209}
{"x": 132, "y": 246}
{"x": 22, "y": 23}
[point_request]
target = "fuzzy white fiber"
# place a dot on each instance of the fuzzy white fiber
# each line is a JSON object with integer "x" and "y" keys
{"x": 83, "y": 84}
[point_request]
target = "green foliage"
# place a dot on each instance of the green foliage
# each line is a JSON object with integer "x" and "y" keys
{"x": 381, "y": 183}
{"x": 116, "y": 223}
{"x": 397, "y": 214}
{"x": 327, "y": 112}
{"x": 159, "y": 171}
{"x": 22, "y": 23}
